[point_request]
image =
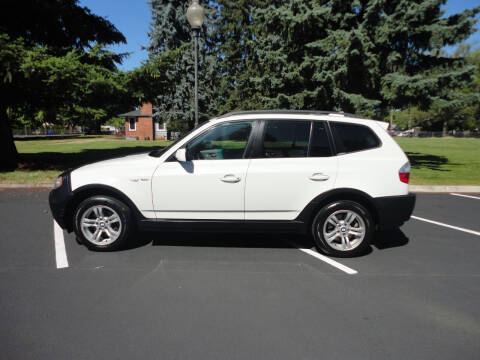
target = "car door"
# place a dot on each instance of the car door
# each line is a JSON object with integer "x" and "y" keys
{"x": 211, "y": 183}
{"x": 292, "y": 164}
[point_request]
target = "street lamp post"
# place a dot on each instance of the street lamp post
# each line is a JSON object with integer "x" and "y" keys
{"x": 195, "y": 16}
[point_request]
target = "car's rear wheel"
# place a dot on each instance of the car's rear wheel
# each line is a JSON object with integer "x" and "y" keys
{"x": 103, "y": 223}
{"x": 342, "y": 228}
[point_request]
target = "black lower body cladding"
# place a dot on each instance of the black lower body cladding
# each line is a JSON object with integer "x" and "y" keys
{"x": 59, "y": 199}
{"x": 393, "y": 211}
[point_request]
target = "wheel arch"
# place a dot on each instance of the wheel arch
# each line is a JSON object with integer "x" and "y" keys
{"x": 308, "y": 213}
{"x": 84, "y": 192}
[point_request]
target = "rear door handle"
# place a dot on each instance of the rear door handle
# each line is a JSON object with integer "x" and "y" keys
{"x": 319, "y": 177}
{"x": 230, "y": 178}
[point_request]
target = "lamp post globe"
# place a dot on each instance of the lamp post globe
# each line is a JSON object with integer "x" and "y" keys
{"x": 195, "y": 16}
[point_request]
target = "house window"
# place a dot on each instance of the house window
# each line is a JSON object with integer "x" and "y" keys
{"x": 132, "y": 126}
{"x": 160, "y": 126}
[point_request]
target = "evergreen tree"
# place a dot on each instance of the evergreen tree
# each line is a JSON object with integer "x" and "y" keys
{"x": 462, "y": 114}
{"x": 169, "y": 28}
{"x": 172, "y": 52}
{"x": 361, "y": 56}
{"x": 235, "y": 28}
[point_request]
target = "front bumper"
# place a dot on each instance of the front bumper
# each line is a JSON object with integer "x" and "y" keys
{"x": 58, "y": 200}
{"x": 393, "y": 211}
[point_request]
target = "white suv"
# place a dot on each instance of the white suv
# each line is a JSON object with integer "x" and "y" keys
{"x": 332, "y": 175}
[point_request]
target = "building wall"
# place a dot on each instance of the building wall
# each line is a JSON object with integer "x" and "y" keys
{"x": 143, "y": 129}
{"x": 160, "y": 131}
{"x": 144, "y": 125}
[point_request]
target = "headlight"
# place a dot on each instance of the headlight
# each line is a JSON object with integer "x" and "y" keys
{"x": 58, "y": 182}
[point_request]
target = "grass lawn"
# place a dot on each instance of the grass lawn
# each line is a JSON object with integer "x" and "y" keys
{"x": 436, "y": 161}
{"x": 41, "y": 161}
{"x": 443, "y": 161}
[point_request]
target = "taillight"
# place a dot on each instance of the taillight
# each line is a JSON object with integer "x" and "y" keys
{"x": 404, "y": 173}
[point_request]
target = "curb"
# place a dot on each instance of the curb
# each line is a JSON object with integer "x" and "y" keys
{"x": 26, "y": 186}
{"x": 444, "y": 189}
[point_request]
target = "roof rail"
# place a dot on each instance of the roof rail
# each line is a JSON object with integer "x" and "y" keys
{"x": 304, "y": 112}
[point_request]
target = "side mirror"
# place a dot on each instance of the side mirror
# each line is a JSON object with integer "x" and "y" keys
{"x": 181, "y": 155}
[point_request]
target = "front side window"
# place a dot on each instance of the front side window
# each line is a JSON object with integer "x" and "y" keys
{"x": 286, "y": 139}
{"x": 225, "y": 141}
{"x": 132, "y": 124}
{"x": 353, "y": 137}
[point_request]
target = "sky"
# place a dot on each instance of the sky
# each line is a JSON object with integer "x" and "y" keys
{"x": 132, "y": 18}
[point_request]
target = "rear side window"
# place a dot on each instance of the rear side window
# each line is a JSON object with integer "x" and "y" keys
{"x": 353, "y": 137}
{"x": 286, "y": 139}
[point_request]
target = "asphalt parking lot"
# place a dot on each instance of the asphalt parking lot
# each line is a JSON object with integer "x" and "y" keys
{"x": 416, "y": 295}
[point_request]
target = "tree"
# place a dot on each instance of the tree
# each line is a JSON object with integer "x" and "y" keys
{"x": 236, "y": 26}
{"x": 169, "y": 28}
{"x": 73, "y": 89}
{"x": 10, "y": 57}
{"x": 52, "y": 26}
{"x": 364, "y": 56}
{"x": 169, "y": 68}
{"x": 57, "y": 23}
{"x": 463, "y": 114}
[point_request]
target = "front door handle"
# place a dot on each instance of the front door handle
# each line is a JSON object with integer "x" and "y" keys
{"x": 319, "y": 177}
{"x": 230, "y": 178}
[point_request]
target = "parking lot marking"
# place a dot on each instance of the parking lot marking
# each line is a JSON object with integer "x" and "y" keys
{"x": 467, "y": 196}
{"x": 446, "y": 225}
{"x": 329, "y": 261}
{"x": 60, "y": 252}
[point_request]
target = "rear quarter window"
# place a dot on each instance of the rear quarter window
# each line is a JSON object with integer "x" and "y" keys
{"x": 353, "y": 137}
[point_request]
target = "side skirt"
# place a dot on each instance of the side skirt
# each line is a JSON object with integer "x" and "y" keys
{"x": 226, "y": 226}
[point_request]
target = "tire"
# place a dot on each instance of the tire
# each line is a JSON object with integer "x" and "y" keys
{"x": 111, "y": 223}
{"x": 346, "y": 239}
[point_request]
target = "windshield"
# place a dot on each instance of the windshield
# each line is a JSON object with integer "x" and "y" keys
{"x": 160, "y": 152}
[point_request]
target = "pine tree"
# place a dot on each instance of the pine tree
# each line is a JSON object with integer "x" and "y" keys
{"x": 361, "y": 56}
{"x": 169, "y": 28}
{"x": 235, "y": 28}
{"x": 171, "y": 51}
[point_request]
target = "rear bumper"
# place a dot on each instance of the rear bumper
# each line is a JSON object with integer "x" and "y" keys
{"x": 393, "y": 211}
{"x": 58, "y": 200}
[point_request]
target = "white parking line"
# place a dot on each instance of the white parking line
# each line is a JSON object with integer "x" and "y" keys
{"x": 326, "y": 259}
{"x": 60, "y": 252}
{"x": 446, "y": 225}
{"x": 467, "y": 196}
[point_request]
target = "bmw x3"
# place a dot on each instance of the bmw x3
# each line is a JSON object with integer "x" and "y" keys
{"x": 333, "y": 176}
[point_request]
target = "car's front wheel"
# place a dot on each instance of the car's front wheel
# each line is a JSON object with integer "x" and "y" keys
{"x": 342, "y": 228}
{"x": 103, "y": 223}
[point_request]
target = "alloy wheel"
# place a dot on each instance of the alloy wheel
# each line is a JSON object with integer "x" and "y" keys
{"x": 344, "y": 230}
